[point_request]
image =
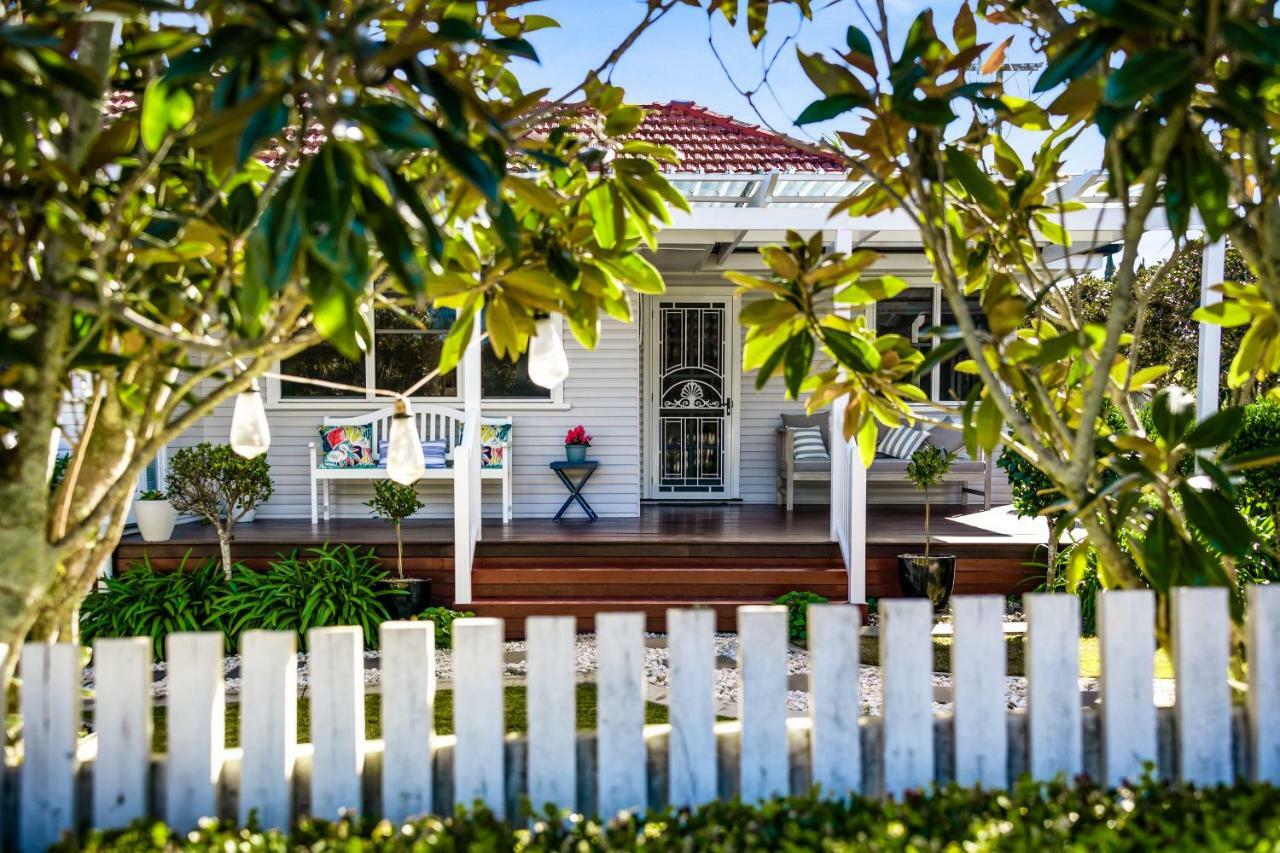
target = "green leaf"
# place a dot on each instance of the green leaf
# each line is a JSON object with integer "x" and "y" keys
{"x": 1076, "y": 60}
{"x": 1172, "y": 413}
{"x": 162, "y": 111}
{"x": 1217, "y": 520}
{"x": 831, "y": 79}
{"x": 973, "y": 178}
{"x": 1227, "y": 314}
{"x": 1146, "y": 74}
{"x": 829, "y": 108}
{"x": 1216, "y": 429}
{"x": 795, "y": 368}
{"x": 851, "y": 351}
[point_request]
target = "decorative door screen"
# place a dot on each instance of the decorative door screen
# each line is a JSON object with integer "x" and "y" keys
{"x": 693, "y": 410}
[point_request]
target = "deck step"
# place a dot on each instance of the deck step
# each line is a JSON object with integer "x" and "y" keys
{"x": 661, "y": 582}
{"x": 516, "y": 610}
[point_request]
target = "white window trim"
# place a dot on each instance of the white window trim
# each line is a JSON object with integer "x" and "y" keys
{"x": 275, "y": 399}
{"x": 935, "y": 373}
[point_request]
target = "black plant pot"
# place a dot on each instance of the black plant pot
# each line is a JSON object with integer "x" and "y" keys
{"x": 932, "y": 578}
{"x": 404, "y": 598}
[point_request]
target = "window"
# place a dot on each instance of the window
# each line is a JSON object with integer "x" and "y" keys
{"x": 912, "y": 314}
{"x": 404, "y": 351}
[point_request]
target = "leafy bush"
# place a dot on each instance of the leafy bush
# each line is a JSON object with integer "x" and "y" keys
{"x": 1260, "y": 489}
{"x": 216, "y": 483}
{"x": 1031, "y": 817}
{"x": 333, "y": 586}
{"x": 797, "y": 603}
{"x": 443, "y": 618}
{"x": 143, "y": 602}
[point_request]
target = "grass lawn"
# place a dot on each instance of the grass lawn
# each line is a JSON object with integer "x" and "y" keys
{"x": 516, "y": 714}
{"x": 1090, "y": 656}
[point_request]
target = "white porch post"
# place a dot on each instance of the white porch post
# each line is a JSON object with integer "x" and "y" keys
{"x": 1209, "y": 362}
{"x": 467, "y": 505}
{"x": 848, "y": 484}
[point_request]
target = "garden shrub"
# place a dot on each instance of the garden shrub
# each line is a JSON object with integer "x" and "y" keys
{"x": 334, "y": 585}
{"x": 797, "y": 603}
{"x": 144, "y": 602}
{"x": 1031, "y": 817}
{"x": 1259, "y": 489}
{"x": 443, "y": 618}
{"x": 219, "y": 485}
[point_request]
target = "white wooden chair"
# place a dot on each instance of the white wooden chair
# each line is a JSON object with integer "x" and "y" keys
{"x": 434, "y": 422}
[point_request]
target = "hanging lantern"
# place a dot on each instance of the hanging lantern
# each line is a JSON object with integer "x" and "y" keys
{"x": 405, "y": 462}
{"x": 548, "y": 366}
{"x": 250, "y": 432}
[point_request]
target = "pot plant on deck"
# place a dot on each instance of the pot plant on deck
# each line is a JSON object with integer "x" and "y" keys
{"x": 154, "y": 515}
{"x": 576, "y": 442}
{"x": 219, "y": 485}
{"x": 928, "y": 575}
{"x": 403, "y": 597}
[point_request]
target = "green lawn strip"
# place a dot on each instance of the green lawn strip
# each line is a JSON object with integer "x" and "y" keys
{"x": 1090, "y": 656}
{"x": 517, "y": 718}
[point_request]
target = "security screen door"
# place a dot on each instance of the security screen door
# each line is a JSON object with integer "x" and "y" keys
{"x": 693, "y": 399}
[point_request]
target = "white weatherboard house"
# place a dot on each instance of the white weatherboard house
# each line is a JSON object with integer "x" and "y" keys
{"x": 674, "y": 419}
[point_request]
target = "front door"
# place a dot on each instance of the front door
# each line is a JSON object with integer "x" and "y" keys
{"x": 690, "y": 398}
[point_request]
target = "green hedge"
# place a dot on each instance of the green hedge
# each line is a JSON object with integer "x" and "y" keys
{"x": 1031, "y": 817}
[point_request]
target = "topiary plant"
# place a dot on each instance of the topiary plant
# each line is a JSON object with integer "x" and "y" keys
{"x": 216, "y": 483}
{"x": 393, "y": 502}
{"x": 925, "y": 469}
{"x": 797, "y": 603}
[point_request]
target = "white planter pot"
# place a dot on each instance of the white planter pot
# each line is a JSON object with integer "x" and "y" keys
{"x": 249, "y": 516}
{"x": 155, "y": 519}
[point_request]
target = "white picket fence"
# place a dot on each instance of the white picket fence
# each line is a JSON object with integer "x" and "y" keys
{"x": 112, "y": 778}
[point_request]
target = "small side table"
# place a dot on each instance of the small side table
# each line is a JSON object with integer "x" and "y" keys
{"x": 588, "y": 467}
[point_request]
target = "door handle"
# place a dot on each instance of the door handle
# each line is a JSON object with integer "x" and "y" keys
{"x": 728, "y": 406}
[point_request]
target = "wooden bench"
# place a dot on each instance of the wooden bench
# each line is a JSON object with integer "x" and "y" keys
{"x": 884, "y": 469}
{"x": 434, "y": 422}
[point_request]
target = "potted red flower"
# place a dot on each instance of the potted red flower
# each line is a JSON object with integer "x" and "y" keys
{"x": 576, "y": 442}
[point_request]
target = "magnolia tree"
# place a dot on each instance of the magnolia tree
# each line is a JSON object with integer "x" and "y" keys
{"x": 191, "y": 195}
{"x": 1183, "y": 99}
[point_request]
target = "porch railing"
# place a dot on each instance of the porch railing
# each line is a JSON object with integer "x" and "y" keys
{"x": 467, "y": 510}
{"x": 65, "y": 781}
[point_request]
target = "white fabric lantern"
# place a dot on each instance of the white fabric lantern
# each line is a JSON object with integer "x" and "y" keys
{"x": 250, "y": 432}
{"x": 548, "y": 366}
{"x": 405, "y": 462}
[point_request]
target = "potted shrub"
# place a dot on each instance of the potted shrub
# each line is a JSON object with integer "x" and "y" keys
{"x": 404, "y": 597}
{"x": 219, "y": 485}
{"x": 155, "y": 515}
{"x": 928, "y": 575}
{"x": 576, "y": 442}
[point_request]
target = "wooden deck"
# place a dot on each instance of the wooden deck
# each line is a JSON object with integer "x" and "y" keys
{"x": 717, "y": 556}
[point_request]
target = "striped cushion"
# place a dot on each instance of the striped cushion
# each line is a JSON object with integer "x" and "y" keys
{"x": 807, "y": 444}
{"x": 901, "y": 442}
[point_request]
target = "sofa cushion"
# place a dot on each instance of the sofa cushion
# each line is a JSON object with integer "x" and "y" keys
{"x": 822, "y": 420}
{"x": 946, "y": 439}
{"x": 813, "y": 465}
{"x": 346, "y": 446}
{"x": 807, "y": 445}
{"x": 901, "y": 442}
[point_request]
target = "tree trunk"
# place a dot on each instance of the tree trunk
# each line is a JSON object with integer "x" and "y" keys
{"x": 399, "y": 553}
{"x": 224, "y": 545}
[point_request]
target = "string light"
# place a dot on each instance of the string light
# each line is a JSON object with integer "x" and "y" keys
{"x": 405, "y": 462}
{"x": 548, "y": 366}
{"x": 250, "y": 431}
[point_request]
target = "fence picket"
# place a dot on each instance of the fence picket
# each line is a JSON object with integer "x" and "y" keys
{"x": 478, "y": 767}
{"x": 122, "y": 720}
{"x": 196, "y": 727}
{"x": 691, "y": 755}
{"x": 1203, "y": 710}
{"x": 763, "y": 766}
{"x": 620, "y": 750}
{"x": 408, "y": 658}
{"x": 268, "y": 726}
{"x": 1126, "y": 634}
{"x": 1054, "y": 736}
{"x": 51, "y": 709}
{"x": 834, "y": 703}
{"x": 906, "y": 670}
{"x": 336, "y": 669}
{"x": 552, "y": 704}
{"x": 1263, "y": 629}
{"x": 981, "y": 742}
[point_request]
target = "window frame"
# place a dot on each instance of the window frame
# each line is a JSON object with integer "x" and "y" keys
{"x": 275, "y": 398}
{"x": 935, "y": 373}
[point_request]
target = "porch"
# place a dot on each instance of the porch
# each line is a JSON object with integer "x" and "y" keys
{"x": 719, "y": 556}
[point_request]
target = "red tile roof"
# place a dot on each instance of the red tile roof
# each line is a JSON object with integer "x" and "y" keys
{"x": 712, "y": 143}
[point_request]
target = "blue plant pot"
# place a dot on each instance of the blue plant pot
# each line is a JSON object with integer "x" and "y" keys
{"x": 575, "y": 452}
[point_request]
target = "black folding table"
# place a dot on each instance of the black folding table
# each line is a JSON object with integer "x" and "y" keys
{"x": 588, "y": 467}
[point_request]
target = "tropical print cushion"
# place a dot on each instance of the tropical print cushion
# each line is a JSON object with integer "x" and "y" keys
{"x": 494, "y": 439}
{"x": 347, "y": 446}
